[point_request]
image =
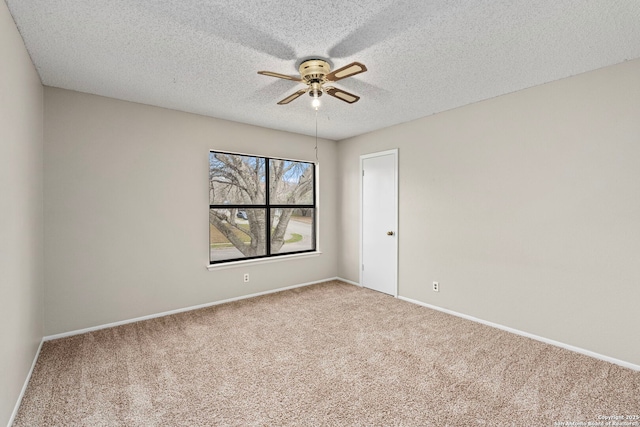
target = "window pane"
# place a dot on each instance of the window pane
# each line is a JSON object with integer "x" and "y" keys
{"x": 292, "y": 230}
{"x": 236, "y": 233}
{"x": 290, "y": 183}
{"x": 236, "y": 180}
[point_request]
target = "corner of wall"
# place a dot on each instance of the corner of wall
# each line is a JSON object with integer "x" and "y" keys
{"x": 21, "y": 205}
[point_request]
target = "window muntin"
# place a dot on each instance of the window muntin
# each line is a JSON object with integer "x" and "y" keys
{"x": 248, "y": 192}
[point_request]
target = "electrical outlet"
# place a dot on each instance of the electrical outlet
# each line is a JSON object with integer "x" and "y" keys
{"x": 246, "y": 277}
{"x": 436, "y": 287}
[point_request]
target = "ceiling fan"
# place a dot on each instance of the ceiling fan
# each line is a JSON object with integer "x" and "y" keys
{"x": 315, "y": 73}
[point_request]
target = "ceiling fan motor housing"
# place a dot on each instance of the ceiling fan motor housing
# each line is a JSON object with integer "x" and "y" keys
{"x": 313, "y": 71}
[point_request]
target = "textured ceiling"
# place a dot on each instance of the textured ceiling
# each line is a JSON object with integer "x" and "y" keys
{"x": 424, "y": 57}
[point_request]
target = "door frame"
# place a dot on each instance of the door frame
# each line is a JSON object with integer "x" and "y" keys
{"x": 363, "y": 157}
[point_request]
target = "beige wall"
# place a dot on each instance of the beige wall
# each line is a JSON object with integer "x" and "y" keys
{"x": 126, "y": 210}
{"x": 21, "y": 121}
{"x": 526, "y": 209}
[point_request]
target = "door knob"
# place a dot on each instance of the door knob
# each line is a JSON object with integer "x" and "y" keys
{"x": 389, "y": 233}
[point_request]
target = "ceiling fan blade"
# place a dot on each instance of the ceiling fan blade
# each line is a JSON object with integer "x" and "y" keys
{"x": 280, "y": 76}
{"x": 346, "y": 71}
{"x": 293, "y": 96}
{"x": 342, "y": 95}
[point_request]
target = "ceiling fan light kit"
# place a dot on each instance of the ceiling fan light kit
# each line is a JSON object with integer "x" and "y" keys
{"x": 315, "y": 73}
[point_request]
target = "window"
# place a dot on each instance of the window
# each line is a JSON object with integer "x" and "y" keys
{"x": 260, "y": 207}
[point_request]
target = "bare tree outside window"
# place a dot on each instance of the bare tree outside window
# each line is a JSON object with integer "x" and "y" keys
{"x": 246, "y": 193}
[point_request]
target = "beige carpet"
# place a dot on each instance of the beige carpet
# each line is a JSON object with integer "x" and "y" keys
{"x": 328, "y": 354}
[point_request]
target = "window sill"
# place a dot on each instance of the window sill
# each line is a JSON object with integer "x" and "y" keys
{"x": 233, "y": 264}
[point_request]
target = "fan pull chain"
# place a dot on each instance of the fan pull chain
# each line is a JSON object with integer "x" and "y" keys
{"x": 316, "y": 135}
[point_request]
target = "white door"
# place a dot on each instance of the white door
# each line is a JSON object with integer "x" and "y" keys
{"x": 379, "y": 233}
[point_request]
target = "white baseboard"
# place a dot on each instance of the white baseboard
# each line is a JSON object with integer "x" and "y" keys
{"x": 179, "y": 310}
{"x": 528, "y": 335}
{"x": 24, "y": 387}
{"x": 348, "y": 281}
